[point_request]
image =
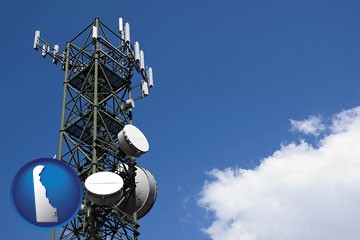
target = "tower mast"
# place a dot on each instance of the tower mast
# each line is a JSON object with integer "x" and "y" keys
{"x": 98, "y": 99}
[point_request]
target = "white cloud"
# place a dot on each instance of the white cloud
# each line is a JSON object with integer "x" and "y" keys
{"x": 313, "y": 125}
{"x": 300, "y": 192}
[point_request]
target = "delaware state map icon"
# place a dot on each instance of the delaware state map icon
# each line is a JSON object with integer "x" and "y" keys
{"x": 46, "y": 193}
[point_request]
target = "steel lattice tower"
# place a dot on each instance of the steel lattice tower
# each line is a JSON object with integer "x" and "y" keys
{"x": 98, "y": 99}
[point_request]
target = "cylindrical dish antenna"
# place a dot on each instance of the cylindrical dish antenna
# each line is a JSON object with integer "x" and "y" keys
{"x": 132, "y": 141}
{"x": 104, "y": 188}
{"x": 145, "y": 192}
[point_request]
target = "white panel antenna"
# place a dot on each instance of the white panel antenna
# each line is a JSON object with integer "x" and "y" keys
{"x": 94, "y": 32}
{"x": 137, "y": 51}
{"x": 144, "y": 89}
{"x": 36, "y": 39}
{"x": 121, "y": 25}
{"x": 149, "y": 74}
{"x": 142, "y": 61}
{"x": 44, "y": 50}
{"x": 56, "y": 51}
{"x": 127, "y": 32}
{"x": 130, "y": 103}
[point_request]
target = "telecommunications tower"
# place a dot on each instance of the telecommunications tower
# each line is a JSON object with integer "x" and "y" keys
{"x": 97, "y": 136}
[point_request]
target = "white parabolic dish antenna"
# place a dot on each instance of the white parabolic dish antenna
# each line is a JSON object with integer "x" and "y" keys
{"x": 104, "y": 188}
{"x": 132, "y": 141}
{"x": 145, "y": 191}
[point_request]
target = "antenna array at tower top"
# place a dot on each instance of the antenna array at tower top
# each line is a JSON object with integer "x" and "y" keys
{"x": 122, "y": 57}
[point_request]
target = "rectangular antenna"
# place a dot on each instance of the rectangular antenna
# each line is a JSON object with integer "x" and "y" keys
{"x": 94, "y": 32}
{"x": 36, "y": 39}
{"x": 56, "y": 50}
{"x": 142, "y": 60}
{"x": 137, "y": 51}
{"x": 149, "y": 74}
{"x": 130, "y": 103}
{"x": 44, "y": 50}
{"x": 144, "y": 89}
{"x": 121, "y": 25}
{"x": 127, "y": 32}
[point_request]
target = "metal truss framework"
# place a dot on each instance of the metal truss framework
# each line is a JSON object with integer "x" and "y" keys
{"x": 97, "y": 85}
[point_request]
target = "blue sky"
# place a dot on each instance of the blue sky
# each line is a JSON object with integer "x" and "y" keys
{"x": 228, "y": 77}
